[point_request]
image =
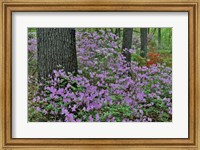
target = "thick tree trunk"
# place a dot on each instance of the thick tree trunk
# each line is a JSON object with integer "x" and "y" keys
{"x": 143, "y": 36}
{"x": 56, "y": 46}
{"x": 159, "y": 37}
{"x": 127, "y": 42}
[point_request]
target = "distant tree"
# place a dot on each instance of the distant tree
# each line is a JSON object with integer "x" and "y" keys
{"x": 154, "y": 31}
{"x": 112, "y": 30}
{"x": 56, "y": 46}
{"x": 127, "y": 42}
{"x": 117, "y": 30}
{"x": 119, "y": 33}
{"x": 170, "y": 40}
{"x": 159, "y": 37}
{"x": 143, "y": 37}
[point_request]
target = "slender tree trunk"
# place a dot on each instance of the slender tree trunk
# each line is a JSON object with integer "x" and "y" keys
{"x": 97, "y": 30}
{"x": 119, "y": 32}
{"x": 143, "y": 37}
{"x": 112, "y": 30}
{"x": 154, "y": 31}
{"x": 127, "y": 42}
{"x": 159, "y": 37}
{"x": 170, "y": 40}
{"x": 56, "y": 46}
{"x": 116, "y": 31}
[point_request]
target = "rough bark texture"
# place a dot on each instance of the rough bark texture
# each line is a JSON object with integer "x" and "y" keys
{"x": 143, "y": 36}
{"x": 56, "y": 46}
{"x": 159, "y": 37}
{"x": 127, "y": 42}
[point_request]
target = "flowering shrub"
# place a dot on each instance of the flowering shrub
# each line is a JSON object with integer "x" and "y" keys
{"x": 107, "y": 88}
{"x": 153, "y": 57}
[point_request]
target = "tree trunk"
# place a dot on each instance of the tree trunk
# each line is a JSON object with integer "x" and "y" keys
{"x": 127, "y": 42}
{"x": 119, "y": 33}
{"x": 159, "y": 37}
{"x": 170, "y": 40}
{"x": 143, "y": 37}
{"x": 154, "y": 31}
{"x": 112, "y": 30}
{"x": 116, "y": 31}
{"x": 56, "y": 46}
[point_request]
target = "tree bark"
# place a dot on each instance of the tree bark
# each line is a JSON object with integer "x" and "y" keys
{"x": 56, "y": 46}
{"x": 127, "y": 43}
{"x": 143, "y": 37}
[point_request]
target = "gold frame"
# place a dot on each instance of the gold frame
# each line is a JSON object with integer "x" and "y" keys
{"x": 9, "y": 6}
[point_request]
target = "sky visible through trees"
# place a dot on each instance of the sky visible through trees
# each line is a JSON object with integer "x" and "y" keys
{"x": 100, "y": 74}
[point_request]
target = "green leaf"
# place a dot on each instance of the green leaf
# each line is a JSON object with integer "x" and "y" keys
{"x": 116, "y": 97}
{"x": 48, "y": 98}
{"x": 73, "y": 88}
{"x": 49, "y": 107}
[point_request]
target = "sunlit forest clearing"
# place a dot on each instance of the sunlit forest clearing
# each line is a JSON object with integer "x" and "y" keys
{"x": 100, "y": 74}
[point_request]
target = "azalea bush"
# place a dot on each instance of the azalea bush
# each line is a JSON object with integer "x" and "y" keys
{"x": 106, "y": 88}
{"x": 153, "y": 57}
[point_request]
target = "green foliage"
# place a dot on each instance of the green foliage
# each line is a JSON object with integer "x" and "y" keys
{"x": 140, "y": 60}
{"x": 166, "y": 39}
{"x": 34, "y": 116}
{"x": 137, "y": 58}
{"x": 158, "y": 111}
{"x": 116, "y": 97}
{"x": 166, "y": 57}
{"x": 31, "y": 29}
{"x": 117, "y": 112}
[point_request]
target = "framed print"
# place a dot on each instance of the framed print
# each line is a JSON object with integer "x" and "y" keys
{"x": 107, "y": 75}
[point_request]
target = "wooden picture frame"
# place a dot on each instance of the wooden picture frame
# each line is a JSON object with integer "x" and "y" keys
{"x": 9, "y": 6}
